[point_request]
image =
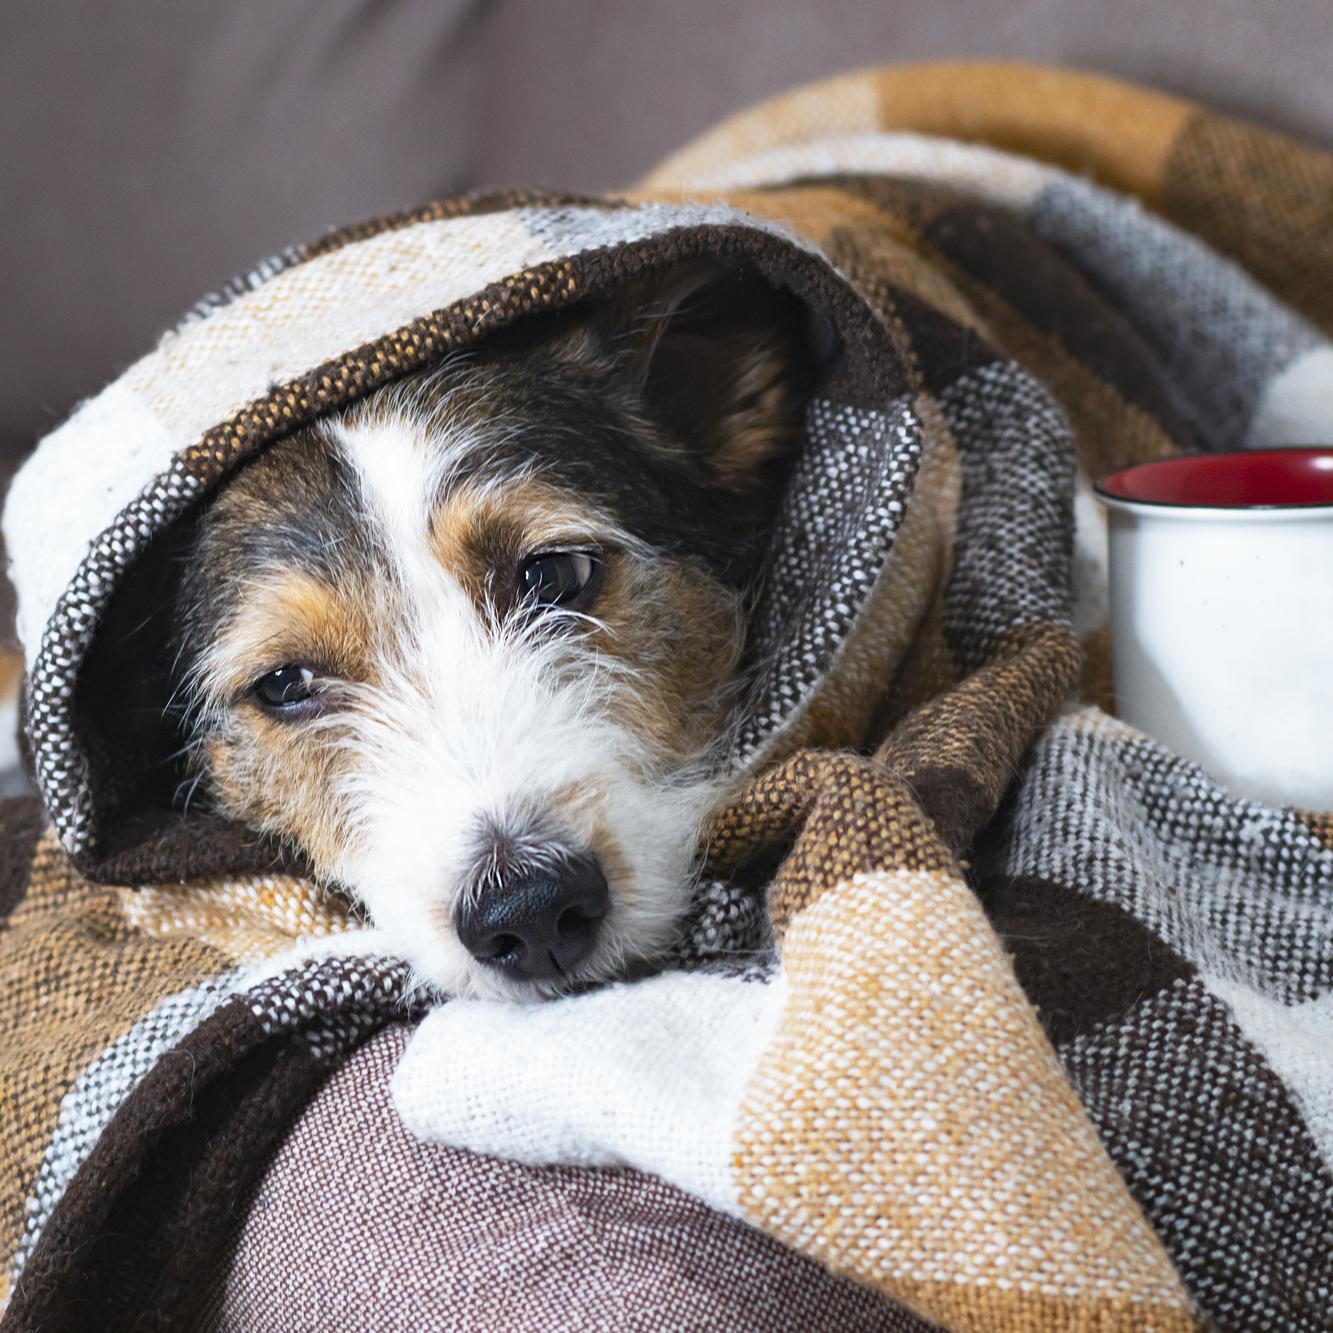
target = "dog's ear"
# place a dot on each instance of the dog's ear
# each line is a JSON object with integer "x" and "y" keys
{"x": 720, "y": 356}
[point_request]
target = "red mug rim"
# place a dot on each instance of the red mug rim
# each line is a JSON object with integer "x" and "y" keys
{"x": 1250, "y": 479}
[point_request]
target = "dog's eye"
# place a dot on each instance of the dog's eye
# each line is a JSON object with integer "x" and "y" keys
{"x": 559, "y": 578}
{"x": 285, "y": 688}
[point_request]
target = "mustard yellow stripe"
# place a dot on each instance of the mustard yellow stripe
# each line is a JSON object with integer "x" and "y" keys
{"x": 911, "y": 1126}
{"x": 1119, "y": 134}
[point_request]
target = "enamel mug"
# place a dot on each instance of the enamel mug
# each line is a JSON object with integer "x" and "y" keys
{"x": 1221, "y": 571}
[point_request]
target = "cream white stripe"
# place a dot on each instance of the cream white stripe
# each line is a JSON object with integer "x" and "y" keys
{"x": 208, "y": 370}
{"x": 1003, "y": 177}
{"x": 81, "y": 476}
{"x": 1297, "y": 405}
{"x": 1293, "y": 1039}
{"x": 86, "y": 471}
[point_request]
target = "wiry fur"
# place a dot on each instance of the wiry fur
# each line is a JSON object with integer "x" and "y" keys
{"x": 460, "y": 736}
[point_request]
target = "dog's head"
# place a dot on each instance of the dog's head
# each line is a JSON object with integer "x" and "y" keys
{"x": 472, "y": 646}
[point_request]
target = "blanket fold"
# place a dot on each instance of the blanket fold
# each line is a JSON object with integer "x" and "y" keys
{"x": 985, "y": 1001}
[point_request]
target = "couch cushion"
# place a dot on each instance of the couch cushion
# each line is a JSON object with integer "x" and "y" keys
{"x": 154, "y": 151}
{"x": 356, "y": 1224}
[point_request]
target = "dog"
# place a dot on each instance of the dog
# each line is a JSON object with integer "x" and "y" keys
{"x": 473, "y": 645}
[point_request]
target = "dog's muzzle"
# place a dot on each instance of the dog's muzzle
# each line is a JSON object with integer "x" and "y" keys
{"x": 538, "y": 923}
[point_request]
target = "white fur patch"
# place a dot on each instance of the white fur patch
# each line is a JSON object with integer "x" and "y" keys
{"x": 472, "y": 725}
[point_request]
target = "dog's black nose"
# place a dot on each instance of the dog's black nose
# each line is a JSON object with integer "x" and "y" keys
{"x": 540, "y": 923}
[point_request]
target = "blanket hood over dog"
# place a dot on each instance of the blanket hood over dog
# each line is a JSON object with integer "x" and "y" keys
{"x": 321, "y": 326}
{"x": 986, "y": 1001}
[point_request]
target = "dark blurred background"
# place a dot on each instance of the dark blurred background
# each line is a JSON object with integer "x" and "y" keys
{"x": 152, "y": 149}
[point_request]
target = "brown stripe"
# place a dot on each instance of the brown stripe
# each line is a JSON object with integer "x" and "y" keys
{"x": 148, "y": 850}
{"x": 78, "y": 977}
{"x": 1081, "y": 962}
{"x": 342, "y": 380}
{"x": 1036, "y": 283}
{"x": 1119, "y": 134}
{"x": 908, "y": 1123}
{"x": 152, "y": 1201}
{"x": 1264, "y": 200}
{"x": 943, "y": 351}
{"x": 11, "y": 674}
{"x": 24, "y": 821}
{"x": 847, "y": 816}
{"x": 982, "y": 728}
{"x": 913, "y": 203}
{"x": 1109, "y": 431}
{"x": 1097, "y": 683}
{"x": 928, "y": 670}
{"x": 994, "y": 274}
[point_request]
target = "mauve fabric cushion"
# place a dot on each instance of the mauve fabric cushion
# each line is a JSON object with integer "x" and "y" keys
{"x": 358, "y": 1225}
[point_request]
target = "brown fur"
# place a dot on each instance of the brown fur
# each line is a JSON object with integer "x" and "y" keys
{"x": 657, "y": 441}
{"x": 682, "y": 635}
{"x": 480, "y": 536}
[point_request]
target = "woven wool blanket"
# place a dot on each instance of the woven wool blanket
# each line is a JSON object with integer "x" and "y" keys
{"x": 1029, "y": 1028}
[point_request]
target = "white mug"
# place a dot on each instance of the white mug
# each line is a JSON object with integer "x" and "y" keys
{"x": 1221, "y": 572}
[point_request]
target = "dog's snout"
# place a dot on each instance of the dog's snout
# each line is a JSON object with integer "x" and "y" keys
{"x": 538, "y": 923}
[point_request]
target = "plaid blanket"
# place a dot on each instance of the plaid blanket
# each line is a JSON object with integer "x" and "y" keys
{"x": 1029, "y": 1026}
